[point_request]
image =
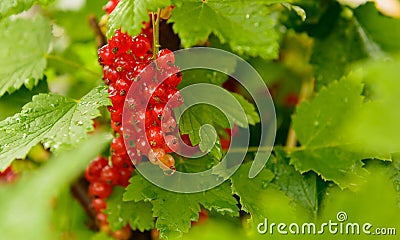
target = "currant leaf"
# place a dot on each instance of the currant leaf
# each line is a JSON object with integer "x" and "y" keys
{"x": 252, "y": 191}
{"x": 56, "y": 121}
{"x": 130, "y": 14}
{"x": 137, "y": 214}
{"x": 25, "y": 43}
{"x": 249, "y": 28}
{"x": 325, "y": 147}
{"x": 8, "y": 8}
{"x": 172, "y": 219}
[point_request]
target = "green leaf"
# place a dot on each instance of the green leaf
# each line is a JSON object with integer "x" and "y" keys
{"x": 248, "y": 26}
{"x": 375, "y": 201}
{"x": 11, "y": 104}
{"x": 334, "y": 51}
{"x": 72, "y": 21}
{"x": 325, "y": 148}
{"x": 252, "y": 191}
{"x": 376, "y": 125}
{"x": 194, "y": 76}
{"x": 69, "y": 218}
{"x": 199, "y": 115}
{"x": 120, "y": 213}
{"x": 24, "y": 45}
{"x": 380, "y": 29}
{"x": 10, "y": 7}
{"x": 35, "y": 219}
{"x": 102, "y": 236}
{"x": 176, "y": 211}
{"x": 251, "y": 113}
{"x": 301, "y": 188}
{"x": 129, "y": 15}
{"x": 57, "y": 121}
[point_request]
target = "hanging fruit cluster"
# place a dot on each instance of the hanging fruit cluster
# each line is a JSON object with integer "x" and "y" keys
{"x": 131, "y": 65}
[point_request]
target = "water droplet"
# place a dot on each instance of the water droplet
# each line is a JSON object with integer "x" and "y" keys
{"x": 247, "y": 16}
{"x": 169, "y": 172}
{"x": 79, "y": 123}
{"x": 316, "y": 123}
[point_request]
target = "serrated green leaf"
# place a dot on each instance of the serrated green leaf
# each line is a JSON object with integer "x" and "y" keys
{"x": 251, "y": 191}
{"x": 325, "y": 148}
{"x": 39, "y": 188}
{"x": 57, "y": 121}
{"x": 11, "y": 104}
{"x": 130, "y": 14}
{"x": 194, "y": 76}
{"x": 249, "y": 109}
{"x": 301, "y": 188}
{"x": 138, "y": 214}
{"x": 176, "y": 211}
{"x": 248, "y": 26}
{"x": 9, "y": 7}
{"x": 199, "y": 115}
{"x": 384, "y": 31}
{"x": 25, "y": 43}
{"x": 334, "y": 51}
{"x": 376, "y": 125}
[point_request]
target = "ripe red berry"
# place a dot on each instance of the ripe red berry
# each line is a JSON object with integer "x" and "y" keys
{"x": 106, "y": 56}
{"x": 155, "y": 137}
{"x": 125, "y": 175}
{"x": 93, "y": 171}
{"x": 98, "y": 204}
{"x": 99, "y": 189}
{"x": 109, "y": 175}
{"x": 172, "y": 143}
{"x": 124, "y": 233}
{"x": 165, "y": 58}
{"x": 140, "y": 45}
{"x": 118, "y": 146}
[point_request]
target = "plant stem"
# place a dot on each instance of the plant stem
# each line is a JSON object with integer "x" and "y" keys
{"x": 156, "y": 32}
{"x": 72, "y": 64}
{"x": 306, "y": 90}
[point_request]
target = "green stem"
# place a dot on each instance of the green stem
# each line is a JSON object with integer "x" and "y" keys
{"x": 156, "y": 32}
{"x": 72, "y": 64}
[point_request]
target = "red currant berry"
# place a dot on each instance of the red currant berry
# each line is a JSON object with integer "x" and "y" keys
{"x": 94, "y": 169}
{"x": 125, "y": 175}
{"x": 172, "y": 143}
{"x": 140, "y": 45}
{"x": 165, "y": 58}
{"x": 98, "y": 204}
{"x": 118, "y": 146}
{"x": 105, "y": 55}
{"x": 99, "y": 190}
{"x": 109, "y": 175}
{"x": 155, "y": 137}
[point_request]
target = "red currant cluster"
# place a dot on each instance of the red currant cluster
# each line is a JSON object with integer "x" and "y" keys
{"x": 102, "y": 177}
